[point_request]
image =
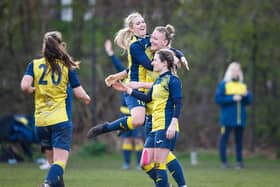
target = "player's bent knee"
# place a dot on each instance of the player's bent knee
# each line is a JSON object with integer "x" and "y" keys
{"x": 137, "y": 122}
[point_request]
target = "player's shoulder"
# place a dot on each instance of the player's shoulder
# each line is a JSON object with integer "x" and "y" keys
{"x": 38, "y": 59}
{"x": 174, "y": 79}
{"x": 140, "y": 42}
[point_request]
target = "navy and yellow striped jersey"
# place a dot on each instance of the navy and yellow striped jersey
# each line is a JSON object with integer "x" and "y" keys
{"x": 151, "y": 76}
{"x": 166, "y": 94}
{"x": 139, "y": 59}
{"x": 52, "y": 92}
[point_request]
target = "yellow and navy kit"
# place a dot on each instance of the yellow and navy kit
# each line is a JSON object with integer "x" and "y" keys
{"x": 52, "y": 91}
{"x": 232, "y": 113}
{"x": 167, "y": 96}
{"x": 139, "y": 59}
{"x": 151, "y": 76}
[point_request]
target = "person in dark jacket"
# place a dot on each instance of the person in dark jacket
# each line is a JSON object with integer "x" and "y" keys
{"x": 232, "y": 96}
{"x": 18, "y": 129}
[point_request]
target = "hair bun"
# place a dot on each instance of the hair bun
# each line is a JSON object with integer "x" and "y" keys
{"x": 171, "y": 30}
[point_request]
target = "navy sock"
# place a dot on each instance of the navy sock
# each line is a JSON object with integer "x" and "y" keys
{"x": 150, "y": 170}
{"x": 161, "y": 175}
{"x": 54, "y": 174}
{"x": 176, "y": 171}
{"x": 119, "y": 124}
{"x": 127, "y": 148}
{"x": 138, "y": 149}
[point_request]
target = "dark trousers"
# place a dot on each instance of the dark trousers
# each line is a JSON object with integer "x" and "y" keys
{"x": 225, "y": 133}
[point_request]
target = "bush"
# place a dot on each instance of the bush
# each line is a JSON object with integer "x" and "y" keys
{"x": 93, "y": 148}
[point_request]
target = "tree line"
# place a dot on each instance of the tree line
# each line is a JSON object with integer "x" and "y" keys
{"x": 210, "y": 33}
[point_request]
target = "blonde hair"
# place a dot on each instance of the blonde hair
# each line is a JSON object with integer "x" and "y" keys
{"x": 168, "y": 31}
{"x": 123, "y": 36}
{"x": 228, "y": 74}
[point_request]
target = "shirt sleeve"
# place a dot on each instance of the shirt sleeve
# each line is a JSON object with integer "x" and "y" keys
{"x": 248, "y": 98}
{"x": 220, "y": 97}
{"x": 29, "y": 69}
{"x": 117, "y": 63}
{"x": 175, "y": 89}
{"x": 179, "y": 54}
{"x": 141, "y": 96}
{"x": 138, "y": 53}
{"x": 73, "y": 78}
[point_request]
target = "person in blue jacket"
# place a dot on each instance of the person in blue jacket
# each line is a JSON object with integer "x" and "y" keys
{"x": 19, "y": 129}
{"x": 232, "y": 96}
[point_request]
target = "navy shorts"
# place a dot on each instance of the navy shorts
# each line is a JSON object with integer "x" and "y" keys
{"x": 132, "y": 102}
{"x": 150, "y": 140}
{"x": 158, "y": 139}
{"x": 58, "y": 136}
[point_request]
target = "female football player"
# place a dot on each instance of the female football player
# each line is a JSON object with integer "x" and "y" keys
{"x": 52, "y": 78}
{"x": 166, "y": 94}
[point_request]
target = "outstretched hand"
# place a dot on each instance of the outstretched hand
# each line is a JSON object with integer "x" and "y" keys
{"x": 185, "y": 62}
{"x": 110, "y": 80}
{"x": 108, "y": 47}
{"x": 119, "y": 86}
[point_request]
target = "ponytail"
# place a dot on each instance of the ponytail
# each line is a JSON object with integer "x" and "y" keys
{"x": 123, "y": 38}
{"x": 54, "y": 49}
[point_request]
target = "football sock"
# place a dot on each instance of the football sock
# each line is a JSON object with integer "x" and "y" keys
{"x": 175, "y": 169}
{"x": 138, "y": 150}
{"x": 123, "y": 123}
{"x": 150, "y": 170}
{"x": 55, "y": 173}
{"x": 127, "y": 148}
{"x": 161, "y": 175}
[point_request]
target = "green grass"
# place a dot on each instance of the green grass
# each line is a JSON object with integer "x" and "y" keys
{"x": 104, "y": 171}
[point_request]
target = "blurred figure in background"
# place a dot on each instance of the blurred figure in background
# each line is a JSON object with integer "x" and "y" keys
{"x": 17, "y": 129}
{"x": 132, "y": 139}
{"x": 232, "y": 96}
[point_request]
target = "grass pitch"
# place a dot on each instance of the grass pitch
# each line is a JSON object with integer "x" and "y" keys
{"x": 104, "y": 171}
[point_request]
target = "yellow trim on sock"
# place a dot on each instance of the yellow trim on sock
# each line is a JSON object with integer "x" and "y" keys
{"x": 127, "y": 147}
{"x": 129, "y": 123}
{"x": 138, "y": 147}
{"x": 170, "y": 157}
{"x": 60, "y": 163}
{"x": 161, "y": 166}
{"x": 124, "y": 110}
{"x": 148, "y": 167}
{"x": 223, "y": 129}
